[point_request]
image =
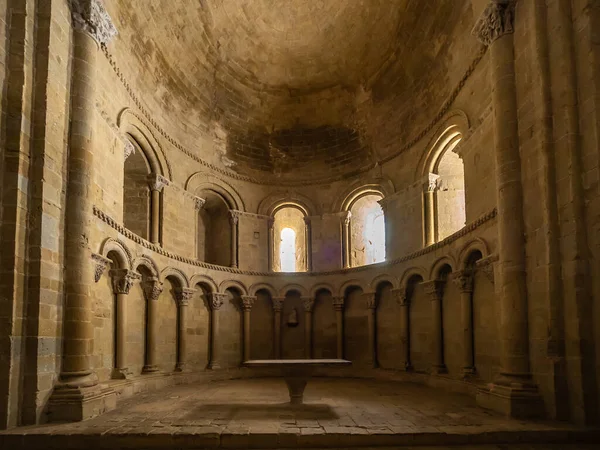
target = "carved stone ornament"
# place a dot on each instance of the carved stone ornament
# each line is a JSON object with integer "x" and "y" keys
{"x": 152, "y": 289}
{"x": 309, "y": 304}
{"x": 486, "y": 265}
{"x": 400, "y": 296}
{"x": 123, "y": 279}
{"x": 157, "y": 182}
{"x": 434, "y": 289}
{"x": 292, "y": 319}
{"x": 248, "y": 302}
{"x": 184, "y": 295}
{"x": 431, "y": 183}
{"x": 128, "y": 150}
{"x": 234, "y": 217}
{"x": 199, "y": 202}
{"x": 464, "y": 281}
{"x": 100, "y": 265}
{"x": 496, "y": 21}
{"x": 371, "y": 299}
{"x": 338, "y": 303}
{"x": 346, "y": 218}
{"x": 216, "y": 301}
{"x": 91, "y": 17}
{"x": 277, "y": 304}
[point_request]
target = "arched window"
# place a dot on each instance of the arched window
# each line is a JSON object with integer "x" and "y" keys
{"x": 445, "y": 205}
{"x": 287, "y": 250}
{"x": 289, "y": 238}
{"x": 366, "y": 231}
{"x": 215, "y": 230}
{"x": 136, "y": 193}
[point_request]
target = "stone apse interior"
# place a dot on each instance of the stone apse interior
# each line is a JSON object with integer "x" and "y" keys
{"x": 412, "y": 186}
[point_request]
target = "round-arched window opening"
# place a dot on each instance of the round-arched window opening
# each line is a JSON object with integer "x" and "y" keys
{"x": 287, "y": 250}
{"x": 367, "y": 229}
{"x": 289, "y": 253}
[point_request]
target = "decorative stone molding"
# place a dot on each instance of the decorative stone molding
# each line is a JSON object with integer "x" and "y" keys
{"x": 400, "y": 296}
{"x": 434, "y": 289}
{"x": 346, "y": 216}
{"x": 155, "y": 248}
{"x": 277, "y": 304}
{"x": 123, "y": 279}
{"x": 371, "y": 300}
{"x": 100, "y": 265}
{"x": 308, "y": 303}
{"x": 217, "y": 300}
{"x": 464, "y": 280}
{"x": 248, "y": 302}
{"x": 199, "y": 203}
{"x": 338, "y": 303}
{"x": 157, "y": 182}
{"x": 234, "y": 217}
{"x": 495, "y": 21}
{"x": 184, "y": 295}
{"x": 152, "y": 289}
{"x": 90, "y": 16}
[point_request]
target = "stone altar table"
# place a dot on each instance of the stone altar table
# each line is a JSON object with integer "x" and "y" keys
{"x": 296, "y": 372}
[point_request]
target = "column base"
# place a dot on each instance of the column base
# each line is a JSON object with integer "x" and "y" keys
{"x": 513, "y": 396}
{"x": 73, "y": 404}
{"x": 214, "y": 366}
{"x": 439, "y": 369}
{"x": 469, "y": 372}
{"x": 180, "y": 367}
{"x": 408, "y": 367}
{"x": 121, "y": 374}
{"x": 150, "y": 369}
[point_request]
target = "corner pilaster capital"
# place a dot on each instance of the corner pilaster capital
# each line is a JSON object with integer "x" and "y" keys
{"x": 309, "y": 304}
{"x": 216, "y": 301}
{"x": 90, "y": 17}
{"x": 100, "y": 265}
{"x": 400, "y": 296}
{"x": 199, "y": 203}
{"x": 338, "y": 303}
{"x": 153, "y": 287}
{"x": 431, "y": 182}
{"x": 277, "y": 303}
{"x": 184, "y": 295}
{"x": 434, "y": 289}
{"x": 486, "y": 265}
{"x": 123, "y": 279}
{"x": 346, "y": 216}
{"x": 248, "y": 302}
{"x": 463, "y": 280}
{"x": 496, "y": 21}
{"x": 370, "y": 299}
{"x": 128, "y": 150}
{"x": 234, "y": 216}
{"x": 157, "y": 182}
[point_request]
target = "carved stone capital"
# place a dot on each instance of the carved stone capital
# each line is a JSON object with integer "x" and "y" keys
{"x": 371, "y": 299}
{"x": 123, "y": 279}
{"x": 277, "y": 304}
{"x": 152, "y": 289}
{"x": 184, "y": 295}
{"x": 495, "y": 21}
{"x": 248, "y": 302}
{"x": 338, "y": 303}
{"x": 100, "y": 265}
{"x": 346, "y": 216}
{"x": 308, "y": 303}
{"x": 216, "y": 301}
{"x": 90, "y": 16}
{"x": 270, "y": 222}
{"x": 234, "y": 217}
{"x": 463, "y": 280}
{"x": 400, "y": 296}
{"x": 486, "y": 265}
{"x": 434, "y": 289}
{"x": 431, "y": 182}
{"x": 128, "y": 150}
{"x": 157, "y": 182}
{"x": 199, "y": 203}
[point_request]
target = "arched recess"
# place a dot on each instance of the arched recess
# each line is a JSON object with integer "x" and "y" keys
{"x": 387, "y": 319}
{"x": 416, "y": 349}
{"x": 363, "y": 231}
{"x": 146, "y": 173}
{"x": 262, "y": 322}
{"x": 290, "y": 238}
{"x": 121, "y": 255}
{"x": 217, "y": 217}
{"x": 476, "y": 245}
{"x": 302, "y": 291}
{"x": 181, "y": 278}
{"x": 384, "y": 278}
{"x": 442, "y": 173}
{"x": 207, "y": 284}
{"x": 356, "y": 328}
{"x": 350, "y": 284}
{"x": 320, "y": 287}
{"x": 229, "y": 285}
{"x": 262, "y": 287}
{"x": 324, "y": 323}
{"x": 199, "y": 322}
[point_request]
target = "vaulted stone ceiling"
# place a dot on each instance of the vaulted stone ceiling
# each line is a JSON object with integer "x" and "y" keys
{"x": 282, "y": 83}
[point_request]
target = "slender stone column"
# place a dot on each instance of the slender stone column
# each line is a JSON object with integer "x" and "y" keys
{"x": 216, "y": 301}
{"x": 152, "y": 290}
{"x": 277, "y": 308}
{"x": 122, "y": 281}
{"x": 430, "y": 206}
{"x": 199, "y": 205}
{"x": 77, "y": 395}
{"x": 157, "y": 183}
{"x": 338, "y": 305}
{"x": 371, "y": 301}
{"x": 514, "y": 392}
{"x": 247, "y": 303}
{"x": 400, "y": 296}
{"x": 271, "y": 236}
{"x": 309, "y": 304}
{"x": 435, "y": 290}
{"x": 308, "y": 234}
{"x": 346, "y": 240}
{"x": 184, "y": 295}
{"x": 464, "y": 281}
{"x": 234, "y": 220}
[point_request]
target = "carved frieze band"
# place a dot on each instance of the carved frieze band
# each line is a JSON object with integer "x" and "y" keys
{"x": 91, "y": 17}
{"x": 496, "y": 21}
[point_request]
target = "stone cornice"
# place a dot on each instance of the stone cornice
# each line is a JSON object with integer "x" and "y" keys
{"x": 155, "y": 248}
{"x": 269, "y": 180}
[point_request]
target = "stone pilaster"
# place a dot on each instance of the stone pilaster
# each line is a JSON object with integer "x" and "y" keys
{"x": 435, "y": 290}
{"x": 309, "y": 304}
{"x": 183, "y": 295}
{"x": 216, "y": 301}
{"x": 77, "y": 395}
{"x": 247, "y": 304}
{"x": 513, "y": 392}
{"x": 152, "y": 290}
{"x": 464, "y": 281}
{"x": 277, "y": 308}
{"x": 371, "y": 303}
{"x": 338, "y": 306}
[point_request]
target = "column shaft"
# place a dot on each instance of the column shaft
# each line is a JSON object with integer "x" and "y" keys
{"x": 234, "y": 219}
{"x": 435, "y": 290}
{"x": 152, "y": 289}
{"x": 277, "y": 307}
{"x": 464, "y": 281}
{"x": 215, "y": 356}
{"x": 371, "y": 300}
{"x": 155, "y": 219}
{"x": 121, "y": 330}
{"x": 247, "y": 303}
{"x": 400, "y": 296}
{"x": 338, "y": 304}
{"x": 184, "y": 295}
{"x": 308, "y": 308}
